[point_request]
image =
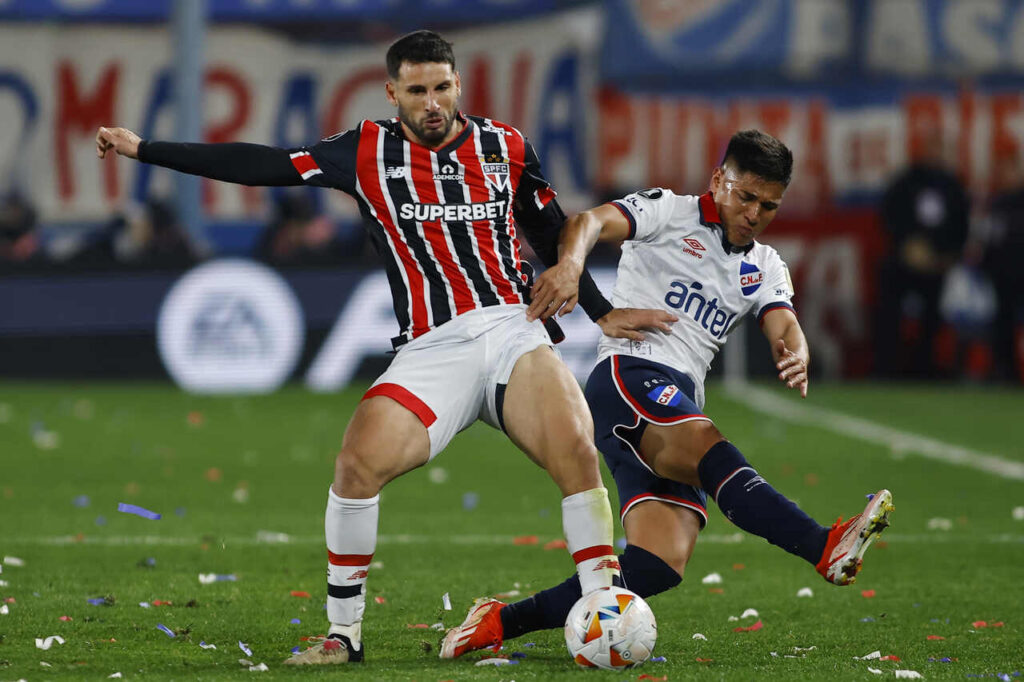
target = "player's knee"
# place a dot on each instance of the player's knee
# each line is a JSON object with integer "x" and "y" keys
{"x": 356, "y": 475}
{"x": 575, "y": 467}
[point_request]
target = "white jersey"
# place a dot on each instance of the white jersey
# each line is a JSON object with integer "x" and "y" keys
{"x": 675, "y": 259}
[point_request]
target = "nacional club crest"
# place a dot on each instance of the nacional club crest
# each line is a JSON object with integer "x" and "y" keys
{"x": 750, "y": 278}
{"x": 496, "y": 172}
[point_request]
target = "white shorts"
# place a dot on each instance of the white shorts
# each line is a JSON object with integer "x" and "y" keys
{"x": 455, "y": 374}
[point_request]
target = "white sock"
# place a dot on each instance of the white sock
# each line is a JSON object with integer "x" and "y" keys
{"x": 587, "y": 522}
{"x": 351, "y": 530}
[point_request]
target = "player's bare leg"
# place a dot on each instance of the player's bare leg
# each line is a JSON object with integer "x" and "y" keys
{"x": 383, "y": 441}
{"x": 546, "y": 415}
{"x": 665, "y": 530}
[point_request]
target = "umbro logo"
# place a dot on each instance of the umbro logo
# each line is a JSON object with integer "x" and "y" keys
{"x": 358, "y": 575}
{"x": 693, "y": 247}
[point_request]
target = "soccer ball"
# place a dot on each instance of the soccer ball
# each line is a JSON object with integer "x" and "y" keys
{"x": 610, "y": 628}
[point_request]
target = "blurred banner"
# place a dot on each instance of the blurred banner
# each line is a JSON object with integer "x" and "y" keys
{"x": 273, "y": 10}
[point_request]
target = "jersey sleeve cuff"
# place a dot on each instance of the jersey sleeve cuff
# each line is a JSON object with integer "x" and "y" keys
{"x": 775, "y": 305}
{"x": 629, "y": 217}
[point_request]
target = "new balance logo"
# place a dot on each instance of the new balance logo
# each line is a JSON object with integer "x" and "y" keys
{"x": 607, "y": 563}
{"x": 358, "y": 575}
{"x": 395, "y": 172}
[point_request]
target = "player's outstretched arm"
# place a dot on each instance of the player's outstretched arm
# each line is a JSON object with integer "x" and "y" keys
{"x": 789, "y": 348}
{"x": 237, "y": 162}
{"x": 556, "y": 290}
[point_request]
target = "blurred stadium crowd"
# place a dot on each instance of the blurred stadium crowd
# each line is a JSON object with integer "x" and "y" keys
{"x": 944, "y": 297}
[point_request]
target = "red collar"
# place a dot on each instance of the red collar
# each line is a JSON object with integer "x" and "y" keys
{"x": 708, "y": 210}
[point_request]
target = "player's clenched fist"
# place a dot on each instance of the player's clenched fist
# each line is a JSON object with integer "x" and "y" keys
{"x": 121, "y": 140}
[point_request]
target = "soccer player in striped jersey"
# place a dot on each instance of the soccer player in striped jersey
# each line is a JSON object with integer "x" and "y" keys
{"x": 695, "y": 257}
{"x": 443, "y": 195}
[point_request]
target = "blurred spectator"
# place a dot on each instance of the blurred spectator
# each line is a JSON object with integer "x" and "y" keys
{"x": 925, "y": 213}
{"x": 19, "y": 241}
{"x": 299, "y": 236}
{"x": 1004, "y": 243}
{"x": 144, "y": 237}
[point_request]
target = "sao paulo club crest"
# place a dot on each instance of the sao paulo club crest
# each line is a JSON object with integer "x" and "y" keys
{"x": 496, "y": 172}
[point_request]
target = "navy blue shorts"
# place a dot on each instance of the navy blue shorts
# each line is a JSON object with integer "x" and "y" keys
{"x": 625, "y": 394}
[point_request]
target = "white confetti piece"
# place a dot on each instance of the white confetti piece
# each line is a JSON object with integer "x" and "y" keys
{"x": 45, "y": 664}
{"x": 711, "y": 579}
{"x": 438, "y": 475}
{"x": 13, "y": 561}
{"x": 749, "y": 613}
{"x": 245, "y": 662}
{"x": 698, "y": 635}
{"x": 939, "y": 523}
{"x": 446, "y": 600}
{"x": 272, "y": 538}
{"x": 245, "y": 648}
{"x": 1018, "y": 514}
{"x": 204, "y": 645}
{"x": 4, "y": 583}
{"x": 4, "y": 610}
{"x": 144, "y": 604}
{"x": 45, "y": 644}
{"x": 207, "y": 578}
{"x": 114, "y": 676}
{"x": 908, "y": 675}
{"x": 798, "y": 649}
{"x": 874, "y": 670}
{"x": 439, "y": 627}
{"x": 733, "y": 619}
{"x": 869, "y": 657}
{"x": 261, "y": 668}
{"x": 805, "y": 592}
{"x": 492, "y": 661}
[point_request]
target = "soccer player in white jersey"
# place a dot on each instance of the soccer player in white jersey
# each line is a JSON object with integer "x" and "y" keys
{"x": 697, "y": 258}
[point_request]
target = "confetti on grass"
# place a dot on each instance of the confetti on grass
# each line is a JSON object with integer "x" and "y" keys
{"x": 204, "y": 645}
{"x": 244, "y": 647}
{"x": 756, "y": 626}
{"x": 45, "y": 644}
{"x": 166, "y": 630}
{"x": 138, "y": 511}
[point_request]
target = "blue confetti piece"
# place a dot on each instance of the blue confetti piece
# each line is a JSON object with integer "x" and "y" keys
{"x": 243, "y": 647}
{"x": 517, "y": 654}
{"x": 530, "y": 644}
{"x": 295, "y": 621}
{"x": 935, "y": 620}
{"x": 945, "y": 659}
{"x": 101, "y": 520}
{"x": 166, "y": 630}
{"x": 138, "y": 511}
{"x": 180, "y": 511}
{"x": 870, "y": 496}
{"x": 295, "y": 649}
{"x": 658, "y": 659}
{"x": 470, "y": 501}
{"x": 869, "y": 619}
{"x": 99, "y": 601}
{"x": 1004, "y": 677}
{"x": 150, "y": 561}
{"x": 81, "y": 501}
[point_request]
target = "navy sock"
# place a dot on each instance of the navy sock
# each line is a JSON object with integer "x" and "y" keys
{"x": 643, "y": 572}
{"x": 753, "y": 505}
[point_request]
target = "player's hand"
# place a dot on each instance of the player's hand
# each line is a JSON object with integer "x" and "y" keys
{"x": 627, "y": 323}
{"x": 556, "y": 290}
{"x": 121, "y": 140}
{"x": 792, "y": 368}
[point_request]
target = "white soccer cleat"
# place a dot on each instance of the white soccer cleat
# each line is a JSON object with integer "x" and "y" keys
{"x": 847, "y": 542}
{"x": 481, "y": 630}
{"x": 334, "y": 649}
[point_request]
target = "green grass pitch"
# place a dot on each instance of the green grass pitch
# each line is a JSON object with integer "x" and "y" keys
{"x": 231, "y": 475}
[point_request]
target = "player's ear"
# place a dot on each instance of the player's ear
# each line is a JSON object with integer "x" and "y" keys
{"x": 458, "y": 85}
{"x": 389, "y": 92}
{"x": 716, "y": 179}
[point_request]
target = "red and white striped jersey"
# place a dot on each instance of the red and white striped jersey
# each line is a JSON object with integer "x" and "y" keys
{"x": 443, "y": 219}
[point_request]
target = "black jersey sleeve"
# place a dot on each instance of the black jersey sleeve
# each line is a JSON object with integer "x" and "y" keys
{"x": 538, "y": 213}
{"x": 260, "y": 165}
{"x": 238, "y": 162}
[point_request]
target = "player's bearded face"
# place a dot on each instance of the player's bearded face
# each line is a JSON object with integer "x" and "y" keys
{"x": 746, "y": 203}
{"x": 427, "y": 97}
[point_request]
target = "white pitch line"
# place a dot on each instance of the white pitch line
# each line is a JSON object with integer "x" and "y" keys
{"x": 769, "y": 402}
{"x": 483, "y": 540}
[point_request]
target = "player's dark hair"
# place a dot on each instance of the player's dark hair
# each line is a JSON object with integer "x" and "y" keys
{"x": 419, "y": 47}
{"x": 752, "y": 151}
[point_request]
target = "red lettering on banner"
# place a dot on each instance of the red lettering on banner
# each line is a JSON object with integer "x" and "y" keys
{"x": 520, "y": 81}
{"x": 1005, "y": 106}
{"x": 718, "y": 128}
{"x": 924, "y": 125}
{"x": 479, "y": 100}
{"x": 78, "y": 112}
{"x": 774, "y": 116}
{"x": 615, "y": 121}
{"x": 334, "y": 119}
{"x": 963, "y": 147}
{"x": 227, "y": 130}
